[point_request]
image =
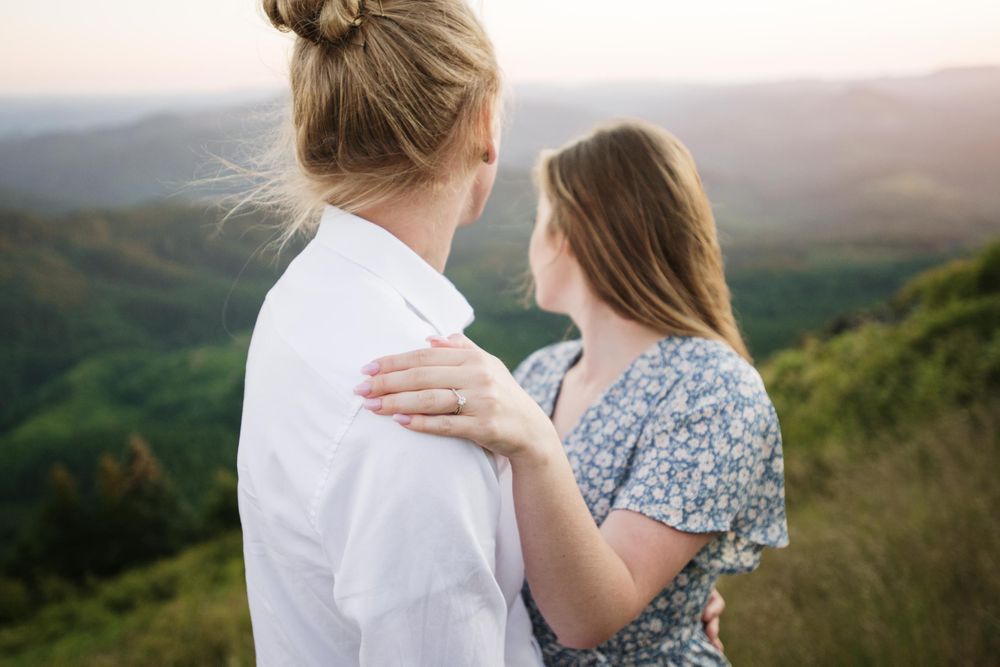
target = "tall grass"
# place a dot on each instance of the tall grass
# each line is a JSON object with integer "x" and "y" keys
{"x": 894, "y": 562}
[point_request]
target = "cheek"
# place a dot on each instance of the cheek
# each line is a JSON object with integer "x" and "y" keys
{"x": 540, "y": 255}
{"x": 548, "y": 269}
{"x": 533, "y": 251}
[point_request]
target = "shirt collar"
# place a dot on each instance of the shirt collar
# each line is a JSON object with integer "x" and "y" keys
{"x": 428, "y": 291}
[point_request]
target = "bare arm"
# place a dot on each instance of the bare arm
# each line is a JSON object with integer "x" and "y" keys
{"x": 589, "y": 581}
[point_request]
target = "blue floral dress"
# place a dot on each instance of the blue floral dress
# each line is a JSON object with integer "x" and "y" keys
{"x": 688, "y": 436}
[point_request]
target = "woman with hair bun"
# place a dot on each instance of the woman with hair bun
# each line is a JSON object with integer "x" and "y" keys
{"x": 359, "y": 550}
{"x": 367, "y": 543}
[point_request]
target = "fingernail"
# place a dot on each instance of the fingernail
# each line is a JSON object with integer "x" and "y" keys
{"x": 437, "y": 339}
{"x": 363, "y": 389}
{"x": 373, "y": 403}
{"x": 370, "y": 369}
{"x": 403, "y": 419}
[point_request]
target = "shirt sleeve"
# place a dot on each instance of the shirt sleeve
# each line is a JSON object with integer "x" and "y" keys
{"x": 710, "y": 461}
{"x": 409, "y": 522}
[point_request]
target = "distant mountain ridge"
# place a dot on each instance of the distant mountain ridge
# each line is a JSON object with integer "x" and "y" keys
{"x": 24, "y": 116}
{"x": 894, "y": 158}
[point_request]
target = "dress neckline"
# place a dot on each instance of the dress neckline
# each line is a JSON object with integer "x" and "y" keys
{"x": 574, "y": 358}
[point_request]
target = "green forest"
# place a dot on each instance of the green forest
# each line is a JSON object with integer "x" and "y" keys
{"x": 125, "y": 334}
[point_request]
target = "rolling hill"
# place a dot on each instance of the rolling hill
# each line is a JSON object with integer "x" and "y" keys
{"x": 136, "y": 321}
{"x": 892, "y": 440}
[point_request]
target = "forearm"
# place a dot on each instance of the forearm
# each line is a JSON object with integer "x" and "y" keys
{"x": 588, "y": 581}
{"x": 582, "y": 587}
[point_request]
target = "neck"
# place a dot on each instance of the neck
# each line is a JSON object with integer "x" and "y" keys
{"x": 610, "y": 342}
{"x": 426, "y": 223}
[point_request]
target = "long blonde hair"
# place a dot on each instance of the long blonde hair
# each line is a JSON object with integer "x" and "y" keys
{"x": 628, "y": 199}
{"x": 388, "y": 97}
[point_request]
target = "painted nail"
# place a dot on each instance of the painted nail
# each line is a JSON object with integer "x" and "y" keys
{"x": 363, "y": 389}
{"x": 373, "y": 404}
{"x": 370, "y": 369}
{"x": 403, "y": 419}
{"x": 436, "y": 339}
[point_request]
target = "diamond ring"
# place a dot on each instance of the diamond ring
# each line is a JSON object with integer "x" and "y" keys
{"x": 461, "y": 402}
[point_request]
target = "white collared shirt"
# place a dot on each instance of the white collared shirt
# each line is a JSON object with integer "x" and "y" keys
{"x": 366, "y": 543}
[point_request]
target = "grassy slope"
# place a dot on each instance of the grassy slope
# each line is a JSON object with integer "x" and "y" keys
{"x": 189, "y": 610}
{"x": 893, "y": 563}
{"x": 892, "y": 436}
{"x": 892, "y": 441}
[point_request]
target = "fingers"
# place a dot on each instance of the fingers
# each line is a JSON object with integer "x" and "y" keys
{"x": 457, "y": 341}
{"x": 716, "y": 605}
{"x": 711, "y": 618}
{"x": 415, "y": 379}
{"x": 448, "y": 426}
{"x": 431, "y": 356}
{"x": 712, "y": 631}
{"x": 426, "y": 402}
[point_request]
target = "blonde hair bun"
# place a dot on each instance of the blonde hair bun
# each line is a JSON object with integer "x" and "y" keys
{"x": 316, "y": 20}
{"x": 390, "y": 98}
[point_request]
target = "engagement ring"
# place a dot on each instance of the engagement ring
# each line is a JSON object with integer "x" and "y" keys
{"x": 461, "y": 402}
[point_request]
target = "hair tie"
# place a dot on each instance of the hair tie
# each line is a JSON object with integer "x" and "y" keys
{"x": 359, "y": 19}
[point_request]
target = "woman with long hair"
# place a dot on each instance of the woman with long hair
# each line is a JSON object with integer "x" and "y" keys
{"x": 646, "y": 455}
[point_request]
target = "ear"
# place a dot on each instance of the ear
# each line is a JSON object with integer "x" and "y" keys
{"x": 558, "y": 236}
{"x": 564, "y": 246}
{"x": 491, "y": 128}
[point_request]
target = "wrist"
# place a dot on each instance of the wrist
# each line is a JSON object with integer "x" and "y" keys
{"x": 539, "y": 448}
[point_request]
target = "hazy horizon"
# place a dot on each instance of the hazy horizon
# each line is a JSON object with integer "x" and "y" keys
{"x": 189, "y": 46}
{"x": 240, "y": 93}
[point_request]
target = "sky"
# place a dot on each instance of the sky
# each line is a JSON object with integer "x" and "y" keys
{"x": 195, "y": 46}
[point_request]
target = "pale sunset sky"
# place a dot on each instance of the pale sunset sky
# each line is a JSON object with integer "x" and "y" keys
{"x": 132, "y": 46}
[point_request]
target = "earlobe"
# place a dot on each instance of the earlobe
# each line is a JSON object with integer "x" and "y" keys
{"x": 489, "y": 121}
{"x": 490, "y": 154}
{"x": 564, "y": 246}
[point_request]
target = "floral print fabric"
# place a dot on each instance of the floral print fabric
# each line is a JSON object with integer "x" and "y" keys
{"x": 688, "y": 436}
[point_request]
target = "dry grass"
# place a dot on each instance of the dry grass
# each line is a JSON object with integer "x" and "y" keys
{"x": 895, "y": 563}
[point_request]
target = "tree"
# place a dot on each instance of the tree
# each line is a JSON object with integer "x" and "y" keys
{"x": 57, "y": 540}
{"x": 139, "y": 515}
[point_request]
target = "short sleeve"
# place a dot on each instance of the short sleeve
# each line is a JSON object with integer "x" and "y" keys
{"x": 709, "y": 460}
